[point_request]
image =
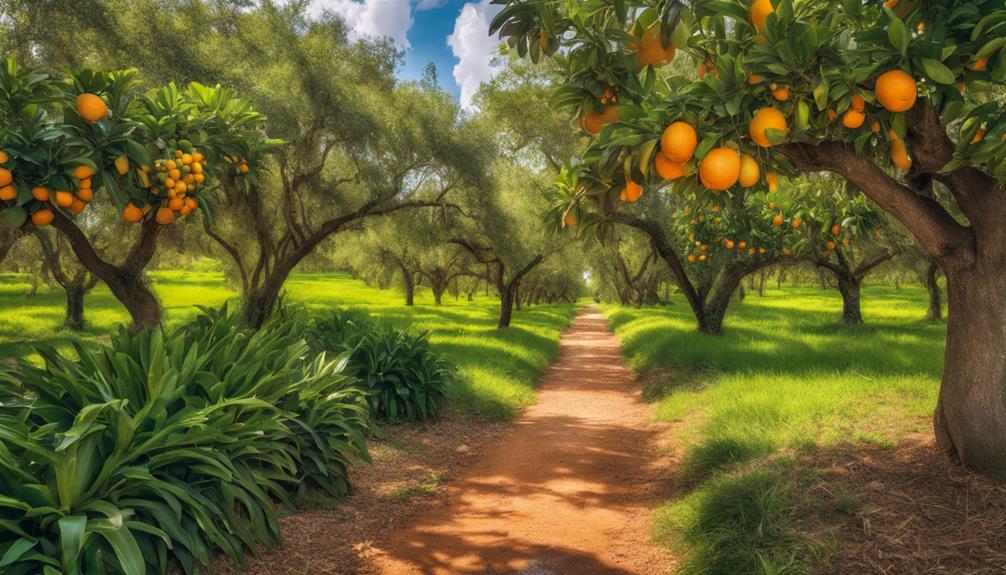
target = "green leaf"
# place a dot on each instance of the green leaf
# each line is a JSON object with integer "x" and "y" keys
{"x": 897, "y": 33}
{"x": 14, "y": 218}
{"x": 19, "y": 548}
{"x": 937, "y": 72}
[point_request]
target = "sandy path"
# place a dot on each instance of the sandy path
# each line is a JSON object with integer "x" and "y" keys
{"x": 568, "y": 490}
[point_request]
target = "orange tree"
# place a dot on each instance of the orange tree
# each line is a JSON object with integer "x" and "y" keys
{"x": 66, "y": 141}
{"x": 910, "y": 81}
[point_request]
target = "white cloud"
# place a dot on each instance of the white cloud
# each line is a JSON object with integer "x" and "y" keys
{"x": 473, "y": 48}
{"x": 374, "y": 18}
{"x": 430, "y": 4}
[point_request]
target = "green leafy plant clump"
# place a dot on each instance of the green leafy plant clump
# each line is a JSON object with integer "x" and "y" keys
{"x": 402, "y": 375}
{"x": 150, "y": 453}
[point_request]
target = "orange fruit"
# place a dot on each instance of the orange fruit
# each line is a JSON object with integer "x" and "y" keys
{"x": 692, "y": 258}
{"x": 891, "y": 3}
{"x": 650, "y": 49}
{"x": 592, "y": 123}
{"x": 760, "y": 9}
{"x": 4, "y": 158}
{"x": 787, "y": 251}
{"x": 132, "y": 214}
{"x": 832, "y": 114}
{"x": 781, "y": 93}
{"x": 185, "y": 210}
{"x": 667, "y": 169}
{"x": 899, "y": 155}
{"x": 765, "y": 119}
{"x": 176, "y": 203}
{"x": 896, "y": 91}
{"x": 122, "y": 165}
{"x": 720, "y": 168}
{"x": 875, "y": 127}
{"x": 42, "y": 217}
{"x": 772, "y": 180}
{"x": 979, "y": 135}
{"x": 164, "y": 215}
{"x": 192, "y": 203}
{"x": 8, "y": 193}
{"x": 64, "y": 199}
{"x": 91, "y": 108}
{"x": 631, "y": 192}
{"x": 853, "y": 119}
{"x": 730, "y": 244}
{"x": 835, "y": 230}
{"x": 678, "y": 142}
{"x": 750, "y": 172}
{"x": 742, "y": 245}
{"x": 796, "y": 224}
{"x": 858, "y": 103}
{"x": 981, "y": 64}
{"x": 85, "y": 183}
{"x": 569, "y": 220}
{"x": 77, "y": 206}
{"x": 6, "y": 177}
{"x": 777, "y": 221}
{"x": 754, "y": 79}
{"x": 40, "y": 193}
{"x": 845, "y": 241}
{"x": 85, "y": 194}
{"x": 83, "y": 172}
{"x": 830, "y": 245}
{"x": 772, "y": 205}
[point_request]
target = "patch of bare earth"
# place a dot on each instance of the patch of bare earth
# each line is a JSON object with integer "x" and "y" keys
{"x": 920, "y": 513}
{"x": 411, "y": 466}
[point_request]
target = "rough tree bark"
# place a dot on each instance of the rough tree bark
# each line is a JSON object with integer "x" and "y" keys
{"x": 970, "y": 417}
{"x": 75, "y": 285}
{"x": 934, "y": 312}
{"x": 127, "y": 280}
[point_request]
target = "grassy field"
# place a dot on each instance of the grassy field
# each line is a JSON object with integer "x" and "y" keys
{"x": 498, "y": 369}
{"x": 784, "y": 381}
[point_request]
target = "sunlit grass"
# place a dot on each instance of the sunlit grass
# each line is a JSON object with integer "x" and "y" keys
{"x": 498, "y": 369}
{"x": 784, "y": 380}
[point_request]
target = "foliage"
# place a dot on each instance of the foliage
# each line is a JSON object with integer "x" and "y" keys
{"x": 404, "y": 378}
{"x": 151, "y": 452}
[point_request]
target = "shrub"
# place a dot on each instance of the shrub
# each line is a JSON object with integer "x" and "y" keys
{"x": 404, "y": 378}
{"x": 146, "y": 454}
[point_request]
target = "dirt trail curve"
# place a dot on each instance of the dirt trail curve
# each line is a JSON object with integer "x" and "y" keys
{"x": 567, "y": 491}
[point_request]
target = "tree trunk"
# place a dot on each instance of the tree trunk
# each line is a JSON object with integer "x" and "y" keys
{"x": 438, "y": 293}
{"x": 75, "y": 293}
{"x": 506, "y": 306}
{"x": 970, "y": 416}
{"x": 410, "y": 288}
{"x": 935, "y": 310}
{"x": 849, "y": 287}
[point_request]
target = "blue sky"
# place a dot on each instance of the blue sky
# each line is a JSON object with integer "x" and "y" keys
{"x": 453, "y": 34}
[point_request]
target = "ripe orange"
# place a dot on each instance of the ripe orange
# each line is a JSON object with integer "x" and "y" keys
{"x": 83, "y": 172}
{"x": 720, "y": 168}
{"x": 845, "y": 241}
{"x": 8, "y": 193}
{"x": 122, "y": 165}
{"x": 678, "y": 142}
{"x": 981, "y": 64}
{"x": 40, "y": 193}
{"x": 772, "y": 179}
{"x": 835, "y": 230}
{"x": 832, "y": 114}
{"x": 875, "y": 127}
{"x": 899, "y": 155}
{"x": 755, "y": 79}
{"x": 781, "y": 93}
{"x": 777, "y": 221}
{"x": 631, "y": 192}
{"x": 796, "y": 224}
{"x": 708, "y": 67}
{"x": 730, "y": 244}
{"x": 858, "y": 103}
{"x": 164, "y": 215}
{"x": 742, "y": 245}
{"x": 896, "y": 91}
{"x": 4, "y": 158}
{"x": 6, "y": 177}
{"x": 765, "y": 119}
{"x": 692, "y": 258}
{"x": 760, "y": 9}
{"x": 176, "y": 203}
{"x": 132, "y": 214}
{"x": 787, "y": 251}
{"x": 77, "y": 206}
{"x": 853, "y": 119}
{"x": 85, "y": 194}
{"x": 91, "y": 108}
{"x": 85, "y": 183}
{"x": 650, "y": 49}
{"x": 830, "y": 245}
{"x": 979, "y": 135}
{"x": 64, "y": 199}
{"x": 592, "y": 123}
{"x": 750, "y": 172}
{"x": 42, "y": 217}
{"x": 668, "y": 169}
{"x": 569, "y": 220}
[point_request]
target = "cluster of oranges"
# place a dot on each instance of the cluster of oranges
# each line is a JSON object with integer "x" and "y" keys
{"x": 175, "y": 180}
{"x": 594, "y": 120}
{"x": 240, "y": 164}
{"x": 7, "y": 190}
{"x": 73, "y": 201}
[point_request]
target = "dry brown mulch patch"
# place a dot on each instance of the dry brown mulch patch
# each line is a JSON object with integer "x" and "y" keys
{"x": 411, "y": 463}
{"x": 921, "y": 513}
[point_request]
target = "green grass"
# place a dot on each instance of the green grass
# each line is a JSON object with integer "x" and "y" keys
{"x": 498, "y": 369}
{"x": 752, "y": 406}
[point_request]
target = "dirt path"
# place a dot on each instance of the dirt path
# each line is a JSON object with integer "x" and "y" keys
{"x": 567, "y": 491}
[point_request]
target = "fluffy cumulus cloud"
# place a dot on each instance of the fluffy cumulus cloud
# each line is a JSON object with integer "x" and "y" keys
{"x": 375, "y": 18}
{"x": 473, "y": 47}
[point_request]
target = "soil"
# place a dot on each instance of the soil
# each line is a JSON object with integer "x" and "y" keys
{"x": 566, "y": 489}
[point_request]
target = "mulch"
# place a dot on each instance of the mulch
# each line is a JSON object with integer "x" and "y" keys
{"x": 920, "y": 512}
